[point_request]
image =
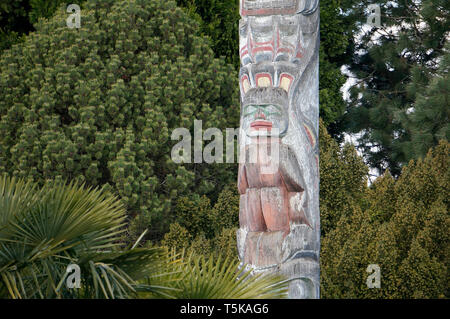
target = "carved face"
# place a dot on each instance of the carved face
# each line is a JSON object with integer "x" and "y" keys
{"x": 265, "y": 112}
{"x": 273, "y": 36}
{"x": 269, "y": 38}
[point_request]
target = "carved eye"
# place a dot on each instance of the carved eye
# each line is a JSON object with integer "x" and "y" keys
{"x": 288, "y": 20}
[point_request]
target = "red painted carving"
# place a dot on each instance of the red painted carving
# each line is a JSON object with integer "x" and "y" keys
{"x": 266, "y": 194}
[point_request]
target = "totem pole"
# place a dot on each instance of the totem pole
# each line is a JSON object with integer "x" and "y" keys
{"x": 279, "y": 165}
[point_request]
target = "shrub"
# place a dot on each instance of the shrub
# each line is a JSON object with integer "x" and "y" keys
{"x": 403, "y": 227}
{"x": 98, "y": 104}
{"x": 343, "y": 180}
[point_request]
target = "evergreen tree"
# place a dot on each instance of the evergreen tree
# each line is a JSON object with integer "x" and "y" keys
{"x": 343, "y": 180}
{"x": 337, "y": 29}
{"x": 402, "y": 226}
{"x": 219, "y": 21}
{"x": 17, "y": 17}
{"x": 13, "y": 22}
{"x": 412, "y": 36}
{"x": 428, "y": 121}
{"x": 203, "y": 229}
{"x": 99, "y": 103}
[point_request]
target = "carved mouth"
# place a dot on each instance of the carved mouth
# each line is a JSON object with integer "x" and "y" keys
{"x": 261, "y": 125}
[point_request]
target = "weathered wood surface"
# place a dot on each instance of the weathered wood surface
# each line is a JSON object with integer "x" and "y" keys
{"x": 278, "y": 172}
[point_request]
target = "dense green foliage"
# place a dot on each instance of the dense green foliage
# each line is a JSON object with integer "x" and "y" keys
{"x": 98, "y": 104}
{"x": 429, "y": 121}
{"x": 46, "y": 8}
{"x": 402, "y": 226}
{"x": 219, "y": 21}
{"x": 337, "y": 29}
{"x": 17, "y": 17}
{"x": 393, "y": 64}
{"x": 203, "y": 229}
{"x": 343, "y": 180}
{"x": 14, "y": 22}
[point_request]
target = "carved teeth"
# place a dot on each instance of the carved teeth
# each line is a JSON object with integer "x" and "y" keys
{"x": 245, "y": 84}
{"x": 263, "y": 80}
{"x": 285, "y": 82}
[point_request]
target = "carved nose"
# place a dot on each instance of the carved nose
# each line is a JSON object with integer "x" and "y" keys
{"x": 260, "y": 115}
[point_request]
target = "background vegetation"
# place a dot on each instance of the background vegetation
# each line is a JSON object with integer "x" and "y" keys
{"x": 400, "y": 102}
{"x": 97, "y": 106}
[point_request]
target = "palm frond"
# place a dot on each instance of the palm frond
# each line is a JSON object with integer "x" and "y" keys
{"x": 218, "y": 278}
{"x": 44, "y": 230}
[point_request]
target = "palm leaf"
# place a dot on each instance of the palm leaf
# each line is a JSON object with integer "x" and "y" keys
{"x": 218, "y": 278}
{"x": 44, "y": 230}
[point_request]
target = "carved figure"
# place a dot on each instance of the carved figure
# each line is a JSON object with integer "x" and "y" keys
{"x": 278, "y": 172}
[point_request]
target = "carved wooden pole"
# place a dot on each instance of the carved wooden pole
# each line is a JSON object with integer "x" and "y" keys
{"x": 279, "y": 164}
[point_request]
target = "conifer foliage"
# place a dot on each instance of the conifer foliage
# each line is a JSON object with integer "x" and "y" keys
{"x": 402, "y": 226}
{"x": 399, "y": 104}
{"x": 98, "y": 104}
